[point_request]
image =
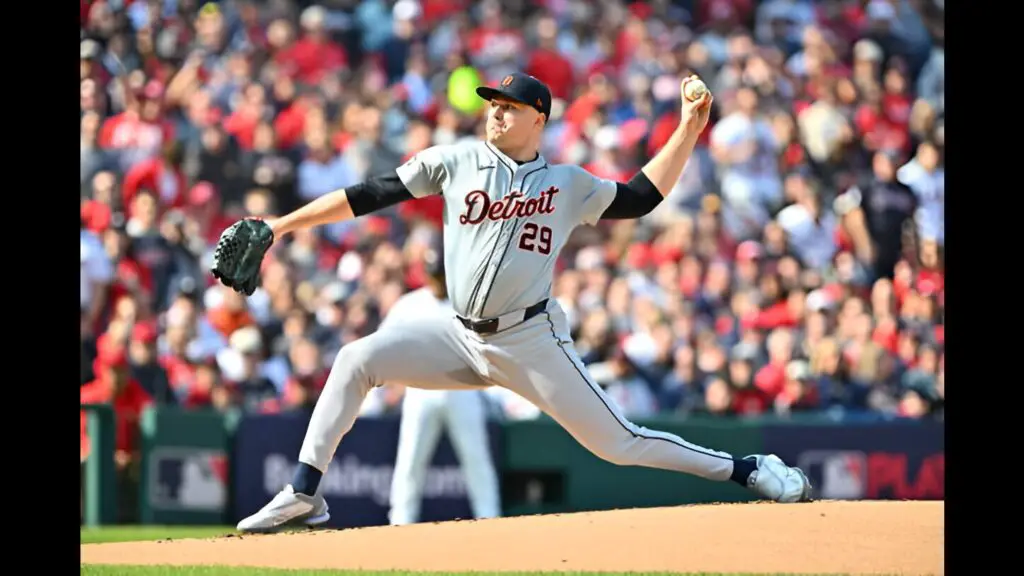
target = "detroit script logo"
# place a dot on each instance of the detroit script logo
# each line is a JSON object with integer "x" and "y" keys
{"x": 479, "y": 206}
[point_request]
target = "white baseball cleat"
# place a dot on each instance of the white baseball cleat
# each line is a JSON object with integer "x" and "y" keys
{"x": 288, "y": 507}
{"x": 776, "y": 481}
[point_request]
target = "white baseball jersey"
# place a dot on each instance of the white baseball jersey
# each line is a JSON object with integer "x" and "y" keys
{"x": 505, "y": 223}
{"x": 420, "y": 303}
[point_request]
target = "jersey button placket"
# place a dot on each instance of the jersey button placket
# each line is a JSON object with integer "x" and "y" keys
{"x": 517, "y": 184}
{"x": 505, "y": 236}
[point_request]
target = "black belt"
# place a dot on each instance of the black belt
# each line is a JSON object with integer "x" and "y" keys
{"x": 492, "y": 325}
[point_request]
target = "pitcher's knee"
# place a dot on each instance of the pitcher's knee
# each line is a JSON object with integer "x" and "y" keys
{"x": 354, "y": 364}
{"x": 620, "y": 450}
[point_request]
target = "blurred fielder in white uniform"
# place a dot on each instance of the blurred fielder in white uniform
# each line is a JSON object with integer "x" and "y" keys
{"x": 425, "y": 413}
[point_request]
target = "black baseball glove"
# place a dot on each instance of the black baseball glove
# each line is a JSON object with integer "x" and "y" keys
{"x": 239, "y": 254}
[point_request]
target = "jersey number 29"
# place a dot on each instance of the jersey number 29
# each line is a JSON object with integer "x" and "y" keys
{"x": 535, "y": 238}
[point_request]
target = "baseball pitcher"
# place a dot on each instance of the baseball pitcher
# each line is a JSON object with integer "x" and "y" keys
{"x": 425, "y": 413}
{"x": 507, "y": 214}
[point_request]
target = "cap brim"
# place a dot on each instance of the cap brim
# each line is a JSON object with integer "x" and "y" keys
{"x": 488, "y": 93}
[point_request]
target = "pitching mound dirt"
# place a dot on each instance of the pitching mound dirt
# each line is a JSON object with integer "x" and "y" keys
{"x": 832, "y": 537}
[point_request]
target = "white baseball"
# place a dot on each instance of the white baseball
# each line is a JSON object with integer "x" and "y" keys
{"x": 694, "y": 89}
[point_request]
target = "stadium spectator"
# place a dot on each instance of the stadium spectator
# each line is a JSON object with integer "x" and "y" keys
{"x": 797, "y": 267}
{"x": 115, "y": 386}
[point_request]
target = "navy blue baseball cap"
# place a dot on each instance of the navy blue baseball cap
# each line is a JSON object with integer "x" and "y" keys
{"x": 522, "y": 88}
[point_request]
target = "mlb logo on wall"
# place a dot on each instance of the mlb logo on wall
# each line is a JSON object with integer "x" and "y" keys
{"x": 192, "y": 479}
{"x": 836, "y": 474}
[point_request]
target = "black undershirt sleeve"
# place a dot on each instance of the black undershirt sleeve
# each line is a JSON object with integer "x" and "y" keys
{"x": 377, "y": 193}
{"x": 634, "y": 199}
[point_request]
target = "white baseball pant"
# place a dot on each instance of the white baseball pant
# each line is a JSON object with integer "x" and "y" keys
{"x": 425, "y": 414}
{"x": 535, "y": 359}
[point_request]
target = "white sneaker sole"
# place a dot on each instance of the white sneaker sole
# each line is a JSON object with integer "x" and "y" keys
{"x": 311, "y": 522}
{"x": 317, "y": 520}
{"x": 806, "y": 495}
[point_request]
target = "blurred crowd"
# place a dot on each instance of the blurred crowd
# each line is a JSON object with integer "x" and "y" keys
{"x": 797, "y": 266}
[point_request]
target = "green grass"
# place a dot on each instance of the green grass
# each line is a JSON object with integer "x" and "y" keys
{"x": 102, "y": 570}
{"x": 133, "y": 533}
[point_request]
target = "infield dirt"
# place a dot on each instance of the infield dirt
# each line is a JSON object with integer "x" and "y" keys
{"x": 864, "y": 537}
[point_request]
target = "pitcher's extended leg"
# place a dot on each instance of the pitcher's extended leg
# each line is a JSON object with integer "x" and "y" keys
{"x": 419, "y": 354}
{"x": 539, "y": 362}
{"x": 565, "y": 392}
